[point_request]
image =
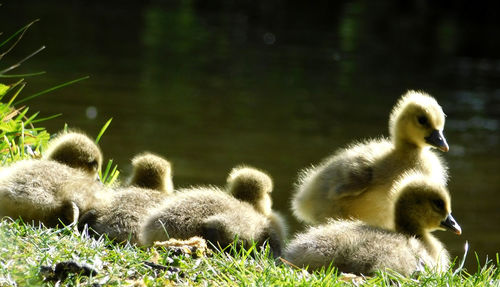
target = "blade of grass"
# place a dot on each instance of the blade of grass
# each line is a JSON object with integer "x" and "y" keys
{"x": 13, "y": 86}
{"x": 16, "y": 94}
{"x": 6, "y": 140}
{"x": 22, "y": 31}
{"x": 23, "y": 60}
{"x": 462, "y": 262}
{"x": 21, "y": 139}
{"x": 22, "y": 114}
{"x": 23, "y": 75}
{"x": 103, "y": 130}
{"x": 114, "y": 175}
{"x": 46, "y": 118}
{"x": 12, "y": 114}
{"x": 16, "y": 83}
{"x": 3, "y": 90}
{"x": 38, "y": 129}
{"x": 106, "y": 171}
{"x": 12, "y": 148}
{"x": 30, "y": 119}
{"x": 50, "y": 90}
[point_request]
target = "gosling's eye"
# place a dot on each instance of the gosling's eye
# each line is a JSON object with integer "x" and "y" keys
{"x": 423, "y": 120}
{"x": 439, "y": 203}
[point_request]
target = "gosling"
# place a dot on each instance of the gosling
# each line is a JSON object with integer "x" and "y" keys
{"x": 121, "y": 213}
{"x": 219, "y": 217}
{"x": 47, "y": 190}
{"x": 255, "y": 187}
{"x": 76, "y": 150}
{"x": 356, "y": 247}
{"x": 356, "y": 181}
{"x": 152, "y": 172}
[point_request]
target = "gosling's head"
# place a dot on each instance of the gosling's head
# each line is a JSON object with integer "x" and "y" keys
{"x": 153, "y": 172}
{"x": 423, "y": 205}
{"x": 253, "y": 186}
{"x": 417, "y": 119}
{"x": 76, "y": 150}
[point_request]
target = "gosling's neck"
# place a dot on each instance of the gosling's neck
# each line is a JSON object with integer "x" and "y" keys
{"x": 407, "y": 153}
{"x": 432, "y": 245}
{"x": 402, "y": 144}
{"x": 409, "y": 228}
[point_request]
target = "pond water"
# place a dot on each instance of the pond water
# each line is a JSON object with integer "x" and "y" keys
{"x": 279, "y": 86}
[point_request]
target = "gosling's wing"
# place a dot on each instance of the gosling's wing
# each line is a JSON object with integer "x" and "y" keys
{"x": 354, "y": 177}
{"x": 350, "y": 171}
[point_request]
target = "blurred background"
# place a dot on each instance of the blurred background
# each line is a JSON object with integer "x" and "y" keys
{"x": 279, "y": 86}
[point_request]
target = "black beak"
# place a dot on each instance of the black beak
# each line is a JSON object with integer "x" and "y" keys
{"x": 451, "y": 224}
{"x": 436, "y": 139}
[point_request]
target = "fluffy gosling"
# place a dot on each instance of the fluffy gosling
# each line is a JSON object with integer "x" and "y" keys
{"x": 76, "y": 150}
{"x": 356, "y": 247}
{"x": 356, "y": 181}
{"x": 153, "y": 172}
{"x": 121, "y": 214}
{"x": 48, "y": 190}
{"x": 219, "y": 217}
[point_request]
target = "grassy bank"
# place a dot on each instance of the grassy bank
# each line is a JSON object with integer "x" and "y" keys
{"x": 26, "y": 252}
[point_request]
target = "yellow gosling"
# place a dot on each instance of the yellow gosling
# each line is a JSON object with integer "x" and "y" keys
{"x": 153, "y": 172}
{"x": 352, "y": 246}
{"x": 355, "y": 182}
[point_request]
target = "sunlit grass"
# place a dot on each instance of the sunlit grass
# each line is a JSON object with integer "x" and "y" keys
{"x": 25, "y": 248}
{"x": 19, "y": 138}
{"x": 110, "y": 173}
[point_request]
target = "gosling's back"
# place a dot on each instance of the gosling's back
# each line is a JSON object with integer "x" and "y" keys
{"x": 39, "y": 190}
{"x": 354, "y": 247}
{"x": 121, "y": 214}
{"x": 212, "y": 214}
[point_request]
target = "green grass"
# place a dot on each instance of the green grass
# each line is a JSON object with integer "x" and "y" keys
{"x": 24, "y": 249}
{"x": 19, "y": 138}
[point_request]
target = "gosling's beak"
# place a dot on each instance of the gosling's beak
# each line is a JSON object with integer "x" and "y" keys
{"x": 451, "y": 224}
{"x": 436, "y": 139}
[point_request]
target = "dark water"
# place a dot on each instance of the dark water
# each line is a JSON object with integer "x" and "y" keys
{"x": 213, "y": 84}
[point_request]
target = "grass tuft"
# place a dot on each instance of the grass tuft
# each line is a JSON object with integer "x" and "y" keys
{"x": 110, "y": 173}
{"x": 20, "y": 138}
